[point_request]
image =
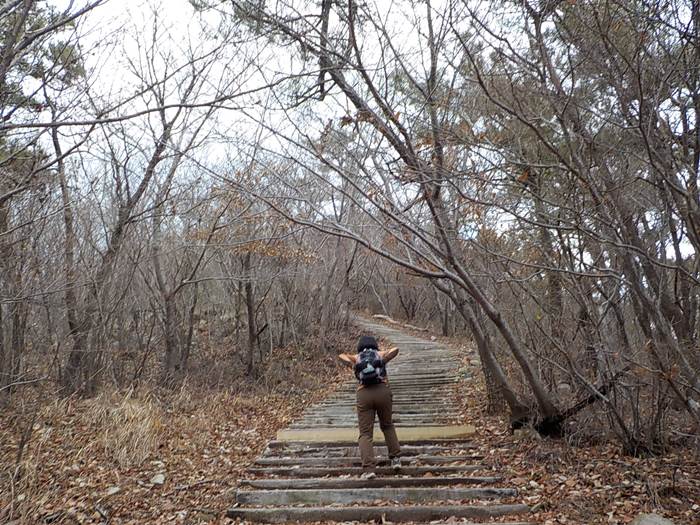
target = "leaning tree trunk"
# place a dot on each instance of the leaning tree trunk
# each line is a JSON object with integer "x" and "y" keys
{"x": 498, "y": 388}
{"x": 447, "y": 233}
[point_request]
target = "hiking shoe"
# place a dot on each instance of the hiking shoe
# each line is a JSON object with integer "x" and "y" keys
{"x": 396, "y": 464}
{"x": 368, "y": 475}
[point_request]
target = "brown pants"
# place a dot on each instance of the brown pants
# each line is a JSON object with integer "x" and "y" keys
{"x": 375, "y": 399}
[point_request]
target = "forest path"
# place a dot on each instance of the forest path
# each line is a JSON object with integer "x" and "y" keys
{"x": 310, "y": 473}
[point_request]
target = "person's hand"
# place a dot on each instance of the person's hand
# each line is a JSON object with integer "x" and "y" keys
{"x": 390, "y": 353}
{"x": 346, "y": 359}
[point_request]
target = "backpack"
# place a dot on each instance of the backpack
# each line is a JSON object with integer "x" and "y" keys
{"x": 370, "y": 368}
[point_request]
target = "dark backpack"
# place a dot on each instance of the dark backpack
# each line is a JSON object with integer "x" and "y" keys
{"x": 370, "y": 369}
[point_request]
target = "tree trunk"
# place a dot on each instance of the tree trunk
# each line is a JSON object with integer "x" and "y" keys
{"x": 3, "y": 363}
{"x": 170, "y": 329}
{"x": 187, "y": 347}
{"x": 250, "y": 310}
{"x": 327, "y": 294}
{"x": 554, "y": 300}
{"x": 19, "y": 325}
{"x": 75, "y": 377}
{"x": 8, "y": 288}
{"x": 497, "y": 385}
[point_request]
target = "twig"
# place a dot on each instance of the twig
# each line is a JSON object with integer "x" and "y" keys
{"x": 191, "y": 485}
{"x": 25, "y": 382}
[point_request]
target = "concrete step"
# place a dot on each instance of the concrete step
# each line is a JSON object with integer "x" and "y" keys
{"x": 367, "y": 513}
{"x": 349, "y": 483}
{"x": 316, "y": 472}
{"x": 300, "y": 444}
{"x": 405, "y": 434}
{"x": 348, "y": 496}
{"x": 352, "y": 461}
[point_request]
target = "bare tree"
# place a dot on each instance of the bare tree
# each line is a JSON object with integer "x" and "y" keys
{"x": 537, "y": 167}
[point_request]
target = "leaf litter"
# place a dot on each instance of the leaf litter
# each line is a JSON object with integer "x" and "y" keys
{"x": 146, "y": 457}
{"x": 182, "y": 462}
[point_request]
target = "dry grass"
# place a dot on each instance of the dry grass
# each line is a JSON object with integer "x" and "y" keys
{"x": 128, "y": 428}
{"x": 92, "y": 461}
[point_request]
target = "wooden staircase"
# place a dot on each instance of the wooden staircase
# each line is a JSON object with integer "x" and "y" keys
{"x": 310, "y": 473}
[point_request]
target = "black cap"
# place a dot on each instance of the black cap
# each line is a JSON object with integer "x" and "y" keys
{"x": 367, "y": 341}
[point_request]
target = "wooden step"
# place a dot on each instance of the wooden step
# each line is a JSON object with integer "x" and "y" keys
{"x": 351, "y": 384}
{"x": 351, "y": 414}
{"x": 311, "y": 472}
{"x": 296, "y": 444}
{"x": 415, "y": 412}
{"x": 367, "y": 495}
{"x": 397, "y": 417}
{"x": 405, "y": 404}
{"x": 400, "y": 409}
{"x": 354, "y": 451}
{"x": 397, "y": 514}
{"x": 406, "y": 393}
{"x": 406, "y": 413}
{"x": 405, "y": 434}
{"x": 398, "y": 421}
{"x": 351, "y": 417}
{"x": 345, "y": 423}
{"x": 351, "y": 461}
{"x": 408, "y": 385}
{"x": 350, "y": 483}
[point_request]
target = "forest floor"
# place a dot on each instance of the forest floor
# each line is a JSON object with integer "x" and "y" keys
{"x": 156, "y": 457}
{"x": 151, "y": 456}
{"x": 585, "y": 478}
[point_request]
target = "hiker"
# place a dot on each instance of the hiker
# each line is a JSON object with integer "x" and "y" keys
{"x": 373, "y": 396}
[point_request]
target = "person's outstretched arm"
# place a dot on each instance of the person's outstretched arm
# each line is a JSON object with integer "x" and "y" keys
{"x": 347, "y": 360}
{"x": 388, "y": 355}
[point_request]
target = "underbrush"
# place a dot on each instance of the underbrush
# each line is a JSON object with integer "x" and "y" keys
{"x": 586, "y": 477}
{"x": 149, "y": 455}
{"x": 129, "y": 428}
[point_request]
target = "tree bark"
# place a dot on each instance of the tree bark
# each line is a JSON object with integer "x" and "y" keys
{"x": 250, "y": 311}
